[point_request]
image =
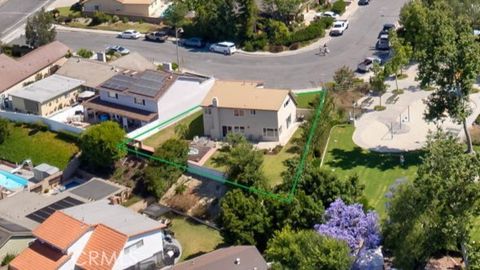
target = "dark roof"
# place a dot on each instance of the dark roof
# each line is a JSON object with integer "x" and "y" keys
{"x": 9, "y": 229}
{"x": 155, "y": 211}
{"x": 42, "y": 214}
{"x": 237, "y": 257}
{"x": 149, "y": 83}
{"x": 96, "y": 189}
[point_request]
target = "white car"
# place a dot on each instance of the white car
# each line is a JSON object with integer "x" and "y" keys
{"x": 367, "y": 64}
{"x": 119, "y": 49}
{"x": 328, "y": 14}
{"x": 225, "y": 47}
{"x": 131, "y": 34}
{"x": 339, "y": 27}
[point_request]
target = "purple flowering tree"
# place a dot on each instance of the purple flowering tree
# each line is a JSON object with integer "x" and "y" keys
{"x": 351, "y": 224}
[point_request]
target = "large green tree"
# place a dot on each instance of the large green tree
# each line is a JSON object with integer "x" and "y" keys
{"x": 435, "y": 212}
{"x": 167, "y": 165}
{"x": 449, "y": 59}
{"x": 306, "y": 250}
{"x": 39, "y": 29}
{"x": 175, "y": 14}
{"x": 377, "y": 81}
{"x": 283, "y": 10}
{"x": 4, "y": 129}
{"x": 402, "y": 54}
{"x": 413, "y": 18}
{"x": 100, "y": 145}
{"x": 247, "y": 18}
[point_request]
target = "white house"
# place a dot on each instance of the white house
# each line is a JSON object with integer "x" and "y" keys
{"x": 245, "y": 107}
{"x": 95, "y": 235}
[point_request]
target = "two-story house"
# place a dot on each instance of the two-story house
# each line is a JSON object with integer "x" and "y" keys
{"x": 95, "y": 235}
{"x": 136, "y": 98}
{"x": 247, "y": 108}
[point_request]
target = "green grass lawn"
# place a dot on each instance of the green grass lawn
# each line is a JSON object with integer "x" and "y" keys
{"x": 194, "y": 123}
{"x": 376, "y": 171}
{"x": 305, "y": 100}
{"x": 39, "y": 146}
{"x": 195, "y": 238}
{"x": 66, "y": 11}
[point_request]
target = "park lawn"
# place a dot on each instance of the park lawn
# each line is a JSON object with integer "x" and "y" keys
{"x": 376, "y": 171}
{"x": 39, "y": 146}
{"x": 273, "y": 164}
{"x": 195, "y": 238}
{"x": 194, "y": 123}
{"x": 305, "y": 100}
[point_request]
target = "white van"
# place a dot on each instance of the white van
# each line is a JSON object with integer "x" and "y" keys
{"x": 225, "y": 47}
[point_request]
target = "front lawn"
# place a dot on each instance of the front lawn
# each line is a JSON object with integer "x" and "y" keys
{"x": 376, "y": 171}
{"x": 305, "y": 100}
{"x": 40, "y": 146}
{"x": 194, "y": 123}
{"x": 68, "y": 11}
{"x": 195, "y": 238}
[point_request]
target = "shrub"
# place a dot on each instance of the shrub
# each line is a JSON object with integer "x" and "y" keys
{"x": 100, "y": 17}
{"x": 327, "y": 22}
{"x": 115, "y": 19}
{"x": 339, "y": 6}
{"x": 260, "y": 43}
{"x": 174, "y": 66}
{"x": 248, "y": 46}
{"x": 4, "y": 130}
{"x": 180, "y": 189}
{"x": 379, "y": 108}
{"x": 277, "y": 32}
{"x": 313, "y": 31}
{"x": 7, "y": 259}
{"x": 125, "y": 19}
{"x": 276, "y": 48}
{"x": 294, "y": 46}
{"x": 84, "y": 53}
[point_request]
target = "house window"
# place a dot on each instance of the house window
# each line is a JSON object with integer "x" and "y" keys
{"x": 112, "y": 95}
{"x": 238, "y": 129}
{"x": 286, "y": 103}
{"x": 289, "y": 121}
{"x": 134, "y": 246}
{"x": 270, "y": 132}
{"x": 253, "y": 112}
{"x": 208, "y": 111}
{"x": 140, "y": 101}
{"x": 238, "y": 112}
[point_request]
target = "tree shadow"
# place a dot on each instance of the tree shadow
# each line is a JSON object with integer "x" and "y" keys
{"x": 347, "y": 160}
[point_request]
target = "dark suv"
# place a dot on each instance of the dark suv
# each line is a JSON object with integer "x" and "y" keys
{"x": 363, "y": 2}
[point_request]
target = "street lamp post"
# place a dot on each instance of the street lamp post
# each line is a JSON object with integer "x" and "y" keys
{"x": 179, "y": 30}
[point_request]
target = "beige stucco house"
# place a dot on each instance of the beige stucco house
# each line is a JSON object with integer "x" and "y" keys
{"x": 137, "y": 8}
{"x": 244, "y": 107}
{"x": 46, "y": 96}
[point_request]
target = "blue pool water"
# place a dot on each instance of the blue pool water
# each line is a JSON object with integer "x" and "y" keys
{"x": 12, "y": 181}
{"x": 71, "y": 184}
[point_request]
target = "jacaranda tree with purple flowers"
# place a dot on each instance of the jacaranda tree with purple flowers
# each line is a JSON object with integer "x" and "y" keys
{"x": 351, "y": 224}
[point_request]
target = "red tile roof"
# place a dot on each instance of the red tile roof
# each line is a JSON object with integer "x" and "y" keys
{"x": 39, "y": 256}
{"x": 60, "y": 230}
{"x": 102, "y": 249}
{"x": 13, "y": 71}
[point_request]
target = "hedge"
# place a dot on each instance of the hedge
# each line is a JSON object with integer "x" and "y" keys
{"x": 339, "y": 6}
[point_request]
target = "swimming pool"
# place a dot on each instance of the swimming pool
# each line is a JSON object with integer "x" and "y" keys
{"x": 11, "y": 181}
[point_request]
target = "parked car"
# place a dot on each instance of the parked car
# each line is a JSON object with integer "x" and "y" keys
{"x": 159, "y": 36}
{"x": 383, "y": 43}
{"x": 119, "y": 49}
{"x": 339, "y": 27}
{"x": 386, "y": 28}
{"x": 225, "y": 47}
{"x": 193, "y": 42}
{"x": 132, "y": 34}
{"x": 367, "y": 64}
{"x": 328, "y": 14}
{"x": 363, "y": 2}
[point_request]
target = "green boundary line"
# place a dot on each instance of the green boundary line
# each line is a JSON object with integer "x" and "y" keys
{"x": 222, "y": 180}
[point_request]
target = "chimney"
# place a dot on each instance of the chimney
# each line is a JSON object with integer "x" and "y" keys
{"x": 237, "y": 261}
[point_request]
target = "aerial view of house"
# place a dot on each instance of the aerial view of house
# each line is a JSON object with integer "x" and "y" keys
{"x": 140, "y": 8}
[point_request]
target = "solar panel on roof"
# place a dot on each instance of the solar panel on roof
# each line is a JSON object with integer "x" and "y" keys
{"x": 44, "y": 213}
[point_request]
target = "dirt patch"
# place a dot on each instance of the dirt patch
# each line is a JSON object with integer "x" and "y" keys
{"x": 475, "y": 133}
{"x": 199, "y": 198}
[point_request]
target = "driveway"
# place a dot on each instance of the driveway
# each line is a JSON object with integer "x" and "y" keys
{"x": 303, "y": 70}
{"x": 13, "y": 14}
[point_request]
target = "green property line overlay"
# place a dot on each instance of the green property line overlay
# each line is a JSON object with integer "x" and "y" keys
{"x": 197, "y": 171}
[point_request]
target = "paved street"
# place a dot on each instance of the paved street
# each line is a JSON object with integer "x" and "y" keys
{"x": 13, "y": 13}
{"x": 303, "y": 70}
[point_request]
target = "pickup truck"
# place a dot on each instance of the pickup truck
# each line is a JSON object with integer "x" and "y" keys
{"x": 339, "y": 27}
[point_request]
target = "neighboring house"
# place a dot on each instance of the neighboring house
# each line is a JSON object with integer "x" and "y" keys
{"x": 46, "y": 96}
{"x": 244, "y": 107}
{"x": 237, "y": 257}
{"x": 23, "y": 212}
{"x": 136, "y": 98}
{"x": 95, "y": 72}
{"x": 40, "y": 62}
{"x": 137, "y": 8}
{"x": 96, "y": 235}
